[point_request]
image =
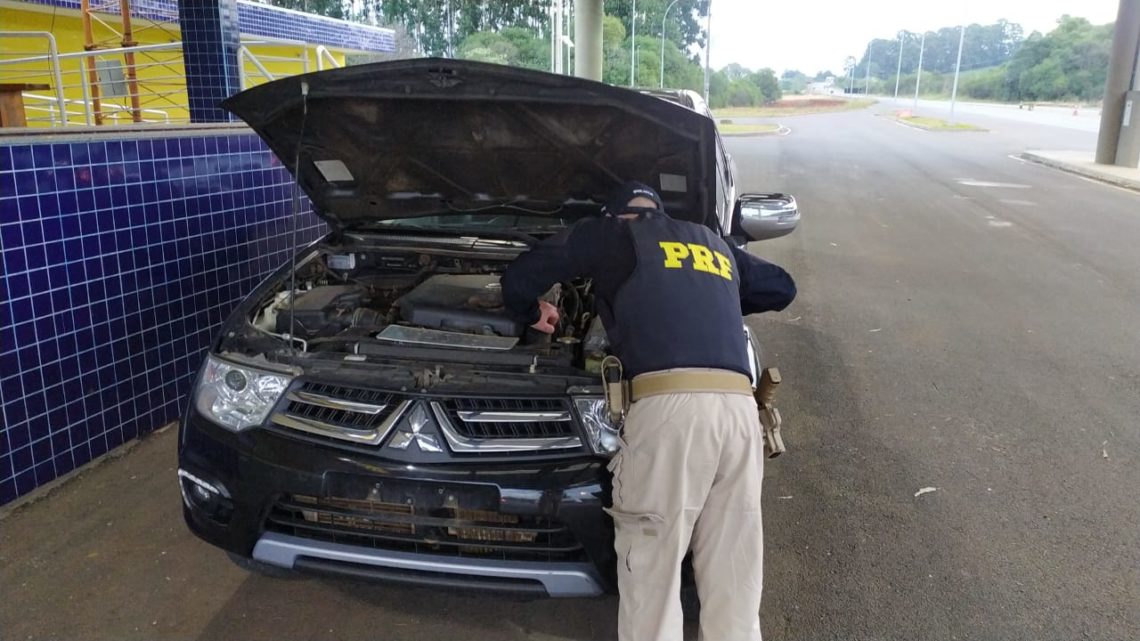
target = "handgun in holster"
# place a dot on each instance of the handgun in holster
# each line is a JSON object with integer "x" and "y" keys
{"x": 770, "y": 416}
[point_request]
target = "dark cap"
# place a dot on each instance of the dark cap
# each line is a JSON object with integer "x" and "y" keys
{"x": 621, "y": 196}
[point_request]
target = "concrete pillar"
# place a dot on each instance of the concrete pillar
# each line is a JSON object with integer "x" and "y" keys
{"x": 210, "y": 42}
{"x": 1121, "y": 70}
{"x": 588, "y": 39}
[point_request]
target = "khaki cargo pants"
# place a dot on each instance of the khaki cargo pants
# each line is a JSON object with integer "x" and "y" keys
{"x": 688, "y": 476}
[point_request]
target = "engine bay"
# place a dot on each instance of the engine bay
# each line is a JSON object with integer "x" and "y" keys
{"x": 361, "y": 301}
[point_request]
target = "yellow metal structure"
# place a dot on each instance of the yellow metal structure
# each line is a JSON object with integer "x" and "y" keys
{"x": 154, "y": 73}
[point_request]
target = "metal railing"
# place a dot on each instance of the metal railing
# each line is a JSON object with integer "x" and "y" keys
{"x": 81, "y": 93}
{"x": 325, "y": 57}
{"x": 96, "y": 94}
{"x": 53, "y": 54}
{"x": 263, "y": 66}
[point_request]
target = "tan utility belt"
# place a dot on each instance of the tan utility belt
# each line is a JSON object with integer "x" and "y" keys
{"x": 692, "y": 381}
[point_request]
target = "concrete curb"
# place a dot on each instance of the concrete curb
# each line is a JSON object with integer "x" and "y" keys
{"x": 781, "y": 131}
{"x": 1093, "y": 174}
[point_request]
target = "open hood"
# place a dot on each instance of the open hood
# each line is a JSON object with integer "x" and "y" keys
{"x": 409, "y": 137}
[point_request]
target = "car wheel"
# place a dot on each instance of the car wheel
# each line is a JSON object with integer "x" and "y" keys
{"x": 262, "y": 569}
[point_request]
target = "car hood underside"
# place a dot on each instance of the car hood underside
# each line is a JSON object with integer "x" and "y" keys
{"x": 409, "y": 137}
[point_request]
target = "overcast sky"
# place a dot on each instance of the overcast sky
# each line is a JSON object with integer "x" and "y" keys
{"x": 813, "y": 35}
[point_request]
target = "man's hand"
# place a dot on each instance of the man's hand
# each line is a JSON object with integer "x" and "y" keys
{"x": 548, "y": 316}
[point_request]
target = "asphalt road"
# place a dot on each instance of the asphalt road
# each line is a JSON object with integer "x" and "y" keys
{"x": 1055, "y": 116}
{"x": 966, "y": 322}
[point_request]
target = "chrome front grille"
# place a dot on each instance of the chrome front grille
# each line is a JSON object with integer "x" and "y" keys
{"x": 344, "y": 413}
{"x": 367, "y": 418}
{"x": 509, "y": 418}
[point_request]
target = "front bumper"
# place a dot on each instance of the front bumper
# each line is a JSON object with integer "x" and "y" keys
{"x": 256, "y": 472}
{"x": 549, "y": 579}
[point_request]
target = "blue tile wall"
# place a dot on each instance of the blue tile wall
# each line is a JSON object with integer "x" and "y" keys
{"x": 120, "y": 259}
{"x": 210, "y": 42}
{"x": 157, "y": 10}
{"x": 264, "y": 20}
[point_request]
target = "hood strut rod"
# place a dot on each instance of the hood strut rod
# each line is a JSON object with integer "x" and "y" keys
{"x": 297, "y": 214}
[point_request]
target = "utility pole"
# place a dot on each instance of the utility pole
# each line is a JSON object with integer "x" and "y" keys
{"x": 708, "y": 50}
{"x": 957, "y": 69}
{"x": 663, "y": 17}
{"x": 559, "y": 59}
{"x": 633, "y": 45}
{"x": 450, "y": 32}
{"x": 898, "y": 72}
{"x": 918, "y": 78}
{"x": 568, "y": 27}
{"x": 588, "y": 39}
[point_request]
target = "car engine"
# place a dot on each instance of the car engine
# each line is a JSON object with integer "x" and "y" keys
{"x": 461, "y": 303}
{"x": 343, "y": 302}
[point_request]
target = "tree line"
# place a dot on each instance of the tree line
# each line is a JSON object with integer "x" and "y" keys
{"x": 998, "y": 62}
{"x": 517, "y": 33}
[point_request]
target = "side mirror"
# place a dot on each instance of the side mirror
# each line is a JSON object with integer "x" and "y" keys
{"x": 765, "y": 216}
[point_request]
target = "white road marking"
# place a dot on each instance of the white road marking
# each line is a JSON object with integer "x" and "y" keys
{"x": 1020, "y": 203}
{"x": 970, "y": 182}
{"x": 999, "y": 223}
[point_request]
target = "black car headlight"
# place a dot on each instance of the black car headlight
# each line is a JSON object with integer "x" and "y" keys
{"x": 238, "y": 396}
{"x": 601, "y": 433}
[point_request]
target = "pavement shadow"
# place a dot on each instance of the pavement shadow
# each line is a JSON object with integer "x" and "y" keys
{"x": 329, "y": 609}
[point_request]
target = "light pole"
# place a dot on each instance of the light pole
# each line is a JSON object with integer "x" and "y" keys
{"x": 633, "y": 44}
{"x": 708, "y": 49}
{"x": 898, "y": 72}
{"x": 918, "y": 78}
{"x": 663, "y": 41}
{"x": 957, "y": 68}
{"x": 557, "y": 33}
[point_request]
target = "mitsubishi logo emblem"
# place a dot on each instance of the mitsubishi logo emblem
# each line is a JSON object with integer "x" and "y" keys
{"x": 417, "y": 428}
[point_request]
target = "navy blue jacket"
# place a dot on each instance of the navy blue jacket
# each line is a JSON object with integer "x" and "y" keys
{"x": 604, "y": 250}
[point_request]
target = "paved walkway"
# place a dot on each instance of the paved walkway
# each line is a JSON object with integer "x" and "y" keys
{"x": 1082, "y": 163}
{"x": 106, "y": 556}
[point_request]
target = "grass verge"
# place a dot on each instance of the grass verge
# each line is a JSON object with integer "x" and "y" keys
{"x": 729, "y": 128}
{"x": 795, "y": 107}
{"x": 937, "y": 124}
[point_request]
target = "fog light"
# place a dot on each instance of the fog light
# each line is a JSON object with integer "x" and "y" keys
{"x": 205, "y": 497}
{"x": 201, "y": 494}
